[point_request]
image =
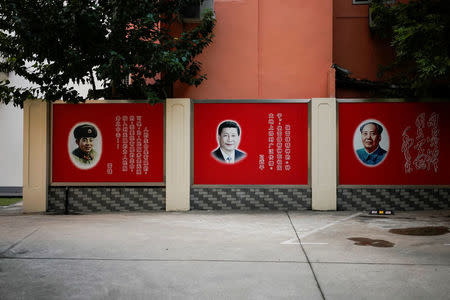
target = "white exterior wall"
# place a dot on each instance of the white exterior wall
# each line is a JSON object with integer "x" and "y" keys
{"x": 11, "y": 136}
{"x": 11, "y": 141}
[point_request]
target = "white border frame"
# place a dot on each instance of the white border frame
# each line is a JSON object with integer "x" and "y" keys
{"x": 109, "y": 184}
{"x": 253, "y": 101}
{"x": 378, "y": 100}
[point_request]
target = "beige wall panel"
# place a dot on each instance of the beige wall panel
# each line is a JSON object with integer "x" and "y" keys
{"x": 178, "y": 154}
{"x": 35, "y": 156}
{"x": 323, "y": 153}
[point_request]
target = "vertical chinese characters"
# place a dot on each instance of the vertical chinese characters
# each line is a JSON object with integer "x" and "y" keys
{"x": 287, "y": 147}
{"x": 146, "y": 151}
{"x": 124, "y": 143}
{"x": 279, "y": 144}
{"x": 131, "y": 144}
{"x": 271, "y": 141}
{"x": 133, "y": 140}
{"x": 118, "y": 130}
{"x": 138, "y": 145}
{"x": 425, "y": 144}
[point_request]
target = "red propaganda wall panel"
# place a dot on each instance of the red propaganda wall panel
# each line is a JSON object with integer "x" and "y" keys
{"x": 412, "y": 148}
{"x": 271, "y": 147}
{"x": 117, "y": 142}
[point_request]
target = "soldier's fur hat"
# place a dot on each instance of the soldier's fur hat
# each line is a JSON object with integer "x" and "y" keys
{"x": 85, "y": 130}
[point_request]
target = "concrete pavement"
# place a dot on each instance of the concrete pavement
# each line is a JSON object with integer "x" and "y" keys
{"x": 13, "y": 209}
{"x": 223, "y": 255}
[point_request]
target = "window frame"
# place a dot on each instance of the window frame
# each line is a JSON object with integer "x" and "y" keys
{"x": 366, "y": 2}
{"x": 360, "y": 2}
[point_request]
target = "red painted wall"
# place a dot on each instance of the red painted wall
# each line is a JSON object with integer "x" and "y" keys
{"x": 267, "y": 49}
{"x": 414, "y": 136}
{"x": 273, "y": 136}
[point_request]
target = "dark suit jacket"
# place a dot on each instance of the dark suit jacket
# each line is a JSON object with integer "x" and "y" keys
{"x": 238, "y": 155}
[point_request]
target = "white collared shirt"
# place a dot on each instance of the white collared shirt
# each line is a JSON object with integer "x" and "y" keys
{"x": 226, "y": 156}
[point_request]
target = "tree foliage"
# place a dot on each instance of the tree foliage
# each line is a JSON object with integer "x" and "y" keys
{"x": 55, "y": 43}
{"x": 420, "y": 35}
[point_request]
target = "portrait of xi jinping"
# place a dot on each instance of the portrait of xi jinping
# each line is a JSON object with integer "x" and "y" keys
{"x": 85, "y": 154}
{"x": 228, "y": 138}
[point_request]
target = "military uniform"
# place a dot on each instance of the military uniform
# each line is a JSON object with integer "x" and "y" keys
{"x": 83, "y": 157}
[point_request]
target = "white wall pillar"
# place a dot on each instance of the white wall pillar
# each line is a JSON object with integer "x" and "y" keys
{"x": 35, "y": 155}
{"x": 178, "y": 154}
{"x": 323, "y": 153}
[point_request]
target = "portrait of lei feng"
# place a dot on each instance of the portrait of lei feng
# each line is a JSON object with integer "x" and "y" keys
{"x": 85, "y": 155}
{"x": 372, "y": 134}
{"x": 228, "y": 138}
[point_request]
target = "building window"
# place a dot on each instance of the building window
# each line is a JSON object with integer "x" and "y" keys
{"x": 195, "y": 12}
{"x": 368, "y": 1}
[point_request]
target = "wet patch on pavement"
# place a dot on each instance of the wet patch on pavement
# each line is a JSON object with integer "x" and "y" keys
{"x": 421, "y": 231}
{"x": 360, "y": 241}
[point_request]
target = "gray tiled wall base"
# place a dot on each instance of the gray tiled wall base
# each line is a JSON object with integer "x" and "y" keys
{"x": 106, "y": 199}
{"x": 250, "y": 198}
{"x": 393, "y": 198}
{"x": 125, "y": 199}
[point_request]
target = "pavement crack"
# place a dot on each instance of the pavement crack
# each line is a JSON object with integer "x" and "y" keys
{"x": 378, "y": 264}
{"x": 150, "y": 260}
{"x": 2, "y": 254}
{"x": 220, "y": 261}
{"x": 306, "y": 255}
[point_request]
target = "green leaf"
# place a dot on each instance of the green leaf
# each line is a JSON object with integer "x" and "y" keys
{"x": 67, "y": 41}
